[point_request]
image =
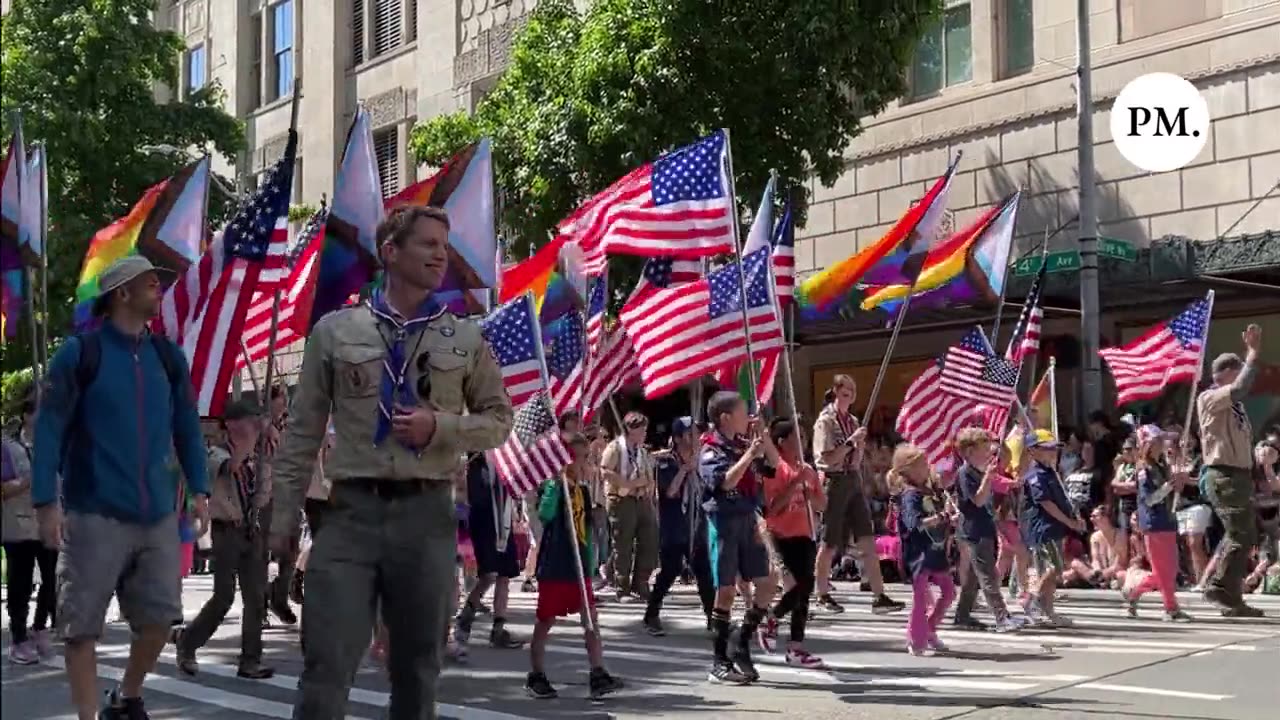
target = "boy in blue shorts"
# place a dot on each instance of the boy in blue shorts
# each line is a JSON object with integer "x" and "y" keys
{"x": 1046, "y": 519}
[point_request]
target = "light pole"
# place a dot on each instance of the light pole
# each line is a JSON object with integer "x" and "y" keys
{"x": 1090, "y": 335}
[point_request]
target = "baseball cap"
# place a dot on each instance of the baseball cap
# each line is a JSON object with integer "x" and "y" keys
{"x": 1150, "y": 432}
{"x": 241, "y": 409}
{"x": 681, "y": 425}
{"x": 1042, "y": 438}
{"x": 118, "y": 274}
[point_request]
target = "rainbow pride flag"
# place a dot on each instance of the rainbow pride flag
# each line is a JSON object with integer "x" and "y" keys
{"x": 12, "y": 275}
{"x": 967, "y": 268}
{"x": 167, "y": 226}
{"x": 543, "y": 274}
{"x": 833, "y": 290}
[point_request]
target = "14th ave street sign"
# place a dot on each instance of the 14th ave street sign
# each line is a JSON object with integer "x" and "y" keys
{"x": 1069, "y": 260}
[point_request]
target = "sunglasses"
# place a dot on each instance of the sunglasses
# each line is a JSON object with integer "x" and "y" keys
{"x": 424, "y": 376}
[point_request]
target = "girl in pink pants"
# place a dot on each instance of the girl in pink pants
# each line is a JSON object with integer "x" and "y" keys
{"x": 1157, "y": 486}
{"x": 923, "y": 526}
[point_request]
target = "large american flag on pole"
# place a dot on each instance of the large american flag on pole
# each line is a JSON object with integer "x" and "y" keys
{"x": 1025, "y": 340}
{"x": 205, "y": 310}
{"x": 257, "y": 324}
{"x": 533, "y": 452}
{"x": 1170, "y": 352}
{"x": 784, "y": 258}
{"x": 965, "y": 388}
{"x": 678, "y": 205}
{"x": 687, "y": 331}
{"x": 512, "y": 333}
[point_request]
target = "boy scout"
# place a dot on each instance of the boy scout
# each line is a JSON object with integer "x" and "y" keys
{"x": 410, "y": 389}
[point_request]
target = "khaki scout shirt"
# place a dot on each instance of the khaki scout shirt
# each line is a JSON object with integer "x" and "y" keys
{"x": 1226, "y": 436}
{"x": 829, "y": 435}
{"x": 642, "y": 472}
{"x": 224, "y": 497}
{"x": 341, "y": 376}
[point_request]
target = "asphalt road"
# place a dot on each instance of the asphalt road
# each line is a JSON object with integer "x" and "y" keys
{"x": 1108, "y": 666}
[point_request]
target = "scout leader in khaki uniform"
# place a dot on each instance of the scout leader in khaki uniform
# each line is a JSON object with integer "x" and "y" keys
{"x": 628, "y": 475}
{"x": 1226, "y": 438}
{"x": 411, "y": 389}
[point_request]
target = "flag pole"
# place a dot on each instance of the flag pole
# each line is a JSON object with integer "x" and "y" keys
{"x": 1053, "y": 395}
{"x": 1191, "y": 396}
{"x": 253, "y": 375}
{"x": 754, "y": 401}
{"x": 37, "y": 371}
{"x": 44, "y": 254}
{"x": 565, "y": 489}
{"x": 1004, "y": 289}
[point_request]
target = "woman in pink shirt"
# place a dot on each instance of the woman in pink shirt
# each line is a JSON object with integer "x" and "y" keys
{"x": 792, "y": 494}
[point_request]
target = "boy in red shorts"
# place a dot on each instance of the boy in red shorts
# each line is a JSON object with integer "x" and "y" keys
{"x": 559, "y": 582}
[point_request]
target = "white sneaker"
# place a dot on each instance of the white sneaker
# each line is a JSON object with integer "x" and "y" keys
{"x": 936, "y": 644}
{"x": 24, "y": 653}
{"x": 805, "y": 659}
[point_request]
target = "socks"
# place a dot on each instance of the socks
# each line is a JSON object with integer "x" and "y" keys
{"x": 750, "y": 623}
{"x": 720, "y": 626}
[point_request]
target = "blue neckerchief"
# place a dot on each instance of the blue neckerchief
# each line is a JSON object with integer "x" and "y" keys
{"x": 395, "y": 366}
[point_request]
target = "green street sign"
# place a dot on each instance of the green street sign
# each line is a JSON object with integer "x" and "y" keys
{"x": 1117, "y": 249}
{"x": 1056, "y": 262}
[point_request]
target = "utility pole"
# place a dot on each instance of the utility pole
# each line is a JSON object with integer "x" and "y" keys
{"x": 1090, "y": 335}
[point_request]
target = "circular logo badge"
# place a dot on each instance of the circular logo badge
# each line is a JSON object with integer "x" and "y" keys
{"x": 1160, "y": 122}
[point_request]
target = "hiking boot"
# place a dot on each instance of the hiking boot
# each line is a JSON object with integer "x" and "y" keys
{"x": 653, "y": 626}
{"x": 829, "y": 604}
{"x": 502, "y": 639}
{"x": 538, "y": 687}
{"x": 601, "y": 683}
{"x": 883, "y": 604}
{"x": 1219, "y": 597}
{"x": 255, "y": 671}
{"x": 724, "y": 673}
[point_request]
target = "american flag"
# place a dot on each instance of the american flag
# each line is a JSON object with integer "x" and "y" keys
{"x": 973, "y": 372}
{"x": 688, "y": 331}
{"x": 597, "y": 306}
{"x": 661, "y": 273}
{"x": 534, "y": 451}
{"x": 205, "y": 310}
{"x": 592, "y": 379}
{"x": 678, "y": 205}
{"x": 257, "y": 324}
{"x": 784, "y": 258}
{"x": 565, "y": 343}
{"x": 768, "y": 363}
{"x": 1025, "y": 340}
{"x": 930, "y": 418}
{"x": 1170, "y": 352}
{"x": 512, "y": 333}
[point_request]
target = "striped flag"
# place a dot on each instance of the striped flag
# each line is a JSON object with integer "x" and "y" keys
{"x": 257, "y": 324}
{"x": 685, "y": 332}
{"x": 973, "y": 372}
{"x": 512, "y": 333}
{"x": 565, "y": 344}
{"x": 1025, "y": 340}
{"x": 205, "y": 311}
{"x": 678, "y": 205}
{"x": 594, "y": 378}
{"x": 784, "y": 258}
{"x": 1168, "y": 353}
{"x": 930, "y": 417}
{"x": 660, "y": 273}
{"x": 534, "y": 451}
{"x": 597, "y": 306}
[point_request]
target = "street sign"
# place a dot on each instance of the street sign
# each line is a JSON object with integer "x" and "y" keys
{"x": 1056, "y": 262}
{"x": 1117, "y": 249}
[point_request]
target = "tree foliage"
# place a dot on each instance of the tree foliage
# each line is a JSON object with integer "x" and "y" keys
{"x": 590, "y": 95}
{"x": 84, "y": 74}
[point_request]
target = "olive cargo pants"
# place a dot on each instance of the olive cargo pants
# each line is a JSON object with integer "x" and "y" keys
{"x": 635, "y": 543}
{"x": 388, "y": 547}
{"x": 1231, "y": 493}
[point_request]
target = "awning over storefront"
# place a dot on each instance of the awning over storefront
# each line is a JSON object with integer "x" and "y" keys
{"x": 1244, "y": 269}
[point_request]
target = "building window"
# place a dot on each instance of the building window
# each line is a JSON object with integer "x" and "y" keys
{"x": 944, "y": 55}
{"x": 357, "y": 32}
{"x": 388, "y": 20}
{"x": 386, "y": 148}
{"x": 255, "y": 61}
{"x": 411, "y": 20}
{"x": 282, "y": 49}
{"x": 197, "y": 68}
{"x": 193, "y": 16}
{"x": 1019, "y": 37}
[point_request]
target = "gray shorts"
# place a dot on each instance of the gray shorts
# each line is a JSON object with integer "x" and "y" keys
{"x": 100, "y": 557}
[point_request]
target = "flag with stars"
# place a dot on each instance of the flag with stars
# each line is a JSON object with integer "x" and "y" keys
{"x": 1170, "y": 352}
{"x": 687, "y": 331}
{"x": 512, "y": 334}
{"x": 660, "y": 273}
{"x": 971, "y": 370}
{"x": 784, "y": 258}
{"x": 205, "y": 310}
{"x": 679, "y": 205}
{"x": 565, "y": 340}
{"x": 534, "y": 451}
{"x": 597, "y": 306}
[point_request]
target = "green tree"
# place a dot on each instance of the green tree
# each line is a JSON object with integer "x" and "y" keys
{"x": 84, "y": 75}
{"x": 590, "y": 95}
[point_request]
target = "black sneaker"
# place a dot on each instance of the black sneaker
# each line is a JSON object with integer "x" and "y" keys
{"x": 284, "y": 613}
{"x": 653, "y": 626}
{"x": 601, "y": 683}
{"x": 118, "y": 708}
{"x": 723, "y": 672}
{"x": 538, "y": 687}
{"x": 255, "y": 671}
{"x": 969, "y": 623}
{"x": 884, "y": 604}
{"x": 528, "y": 586}
{"x": 502, "y": 639}
{"x": 740, "y": 654}
{"x": 828, "y": 603}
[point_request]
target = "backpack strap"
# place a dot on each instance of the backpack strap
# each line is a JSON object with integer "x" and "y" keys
{"x": 89, "y": 361}
{"x": 167, "y": 351}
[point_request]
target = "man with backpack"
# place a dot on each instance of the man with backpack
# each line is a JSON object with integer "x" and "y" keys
{"x": 117, "y": 402}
